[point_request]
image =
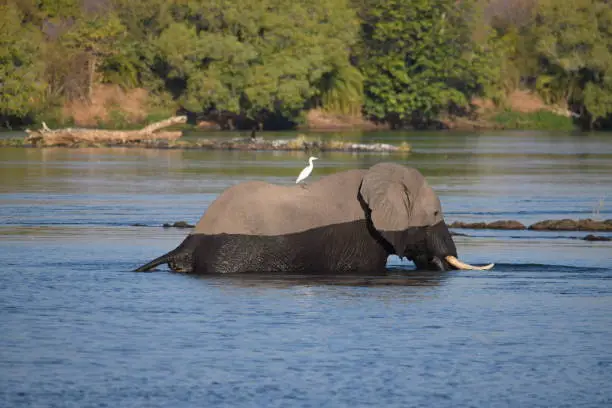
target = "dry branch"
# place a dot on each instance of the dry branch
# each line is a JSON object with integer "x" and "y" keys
{"x": 70, "y": 136}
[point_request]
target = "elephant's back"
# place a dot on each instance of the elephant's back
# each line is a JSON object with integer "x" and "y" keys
{"x": 260, "y": 208}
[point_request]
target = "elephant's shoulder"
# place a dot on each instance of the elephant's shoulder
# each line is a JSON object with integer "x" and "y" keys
{"x": 245, "y": 187}
{"x": 261, "y": 208}
{"x": 343, "y": 176}
{"x": 239, "y": 208}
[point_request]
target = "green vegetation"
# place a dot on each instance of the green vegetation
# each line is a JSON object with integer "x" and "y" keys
{"x": 21, "y": 70}
{"x": 563, "y": 50}
{"x": 419, "y": 59}
{"x": 268, "y": 62}
{"x": 540, "y": 120}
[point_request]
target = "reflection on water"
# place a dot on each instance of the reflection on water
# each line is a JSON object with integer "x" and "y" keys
{"x": 80, "y": 329}
{"x": 394, "y": 277}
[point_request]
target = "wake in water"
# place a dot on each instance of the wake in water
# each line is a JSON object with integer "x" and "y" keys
{"x": 537, "y": 267}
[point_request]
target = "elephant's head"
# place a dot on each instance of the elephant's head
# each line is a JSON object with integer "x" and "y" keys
{"x": 407, "y": 214}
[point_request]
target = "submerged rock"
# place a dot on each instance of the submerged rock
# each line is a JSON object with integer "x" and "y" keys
{"x": 471, "y": 225}
{"x": 592, "y": 237}
{"x": 502, "y": 224}
{"x": 572, "y": 225}
{"x": 506, "y": 225}
{"x": 567, "y": 224}
{"x": 179, "y": 224}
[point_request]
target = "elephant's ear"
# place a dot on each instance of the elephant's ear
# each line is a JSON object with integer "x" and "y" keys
{"x": 387, "y": 195}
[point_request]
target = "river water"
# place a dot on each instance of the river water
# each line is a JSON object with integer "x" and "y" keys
{"x": 80, "y": 330}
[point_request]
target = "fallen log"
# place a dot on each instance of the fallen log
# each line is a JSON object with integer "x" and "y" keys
{"x": 147, "y": 137}
{"x": 595, "y": 238}
{"x": 72, "y": 136}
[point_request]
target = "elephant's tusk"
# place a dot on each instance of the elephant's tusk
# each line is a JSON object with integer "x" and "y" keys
{"x": 462, "y": 265}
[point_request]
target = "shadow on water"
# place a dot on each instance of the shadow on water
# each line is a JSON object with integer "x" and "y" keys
{"x": 417, "y": 280}
{"x": 392, "y": 277}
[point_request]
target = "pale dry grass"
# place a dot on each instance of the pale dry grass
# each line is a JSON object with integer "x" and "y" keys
{"x": 518, "y": 101}
{"x": 526, "y": 102}
{"x": 131, "y": 104}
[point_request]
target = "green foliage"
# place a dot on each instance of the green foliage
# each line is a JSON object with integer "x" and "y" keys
{"x": 403, "y": 61}
{"x": 574, "y": 41}
{"x": 38, "y": 12}
{"x": 97, "y": 34}
{"x": 54, "y": 117}
{"x": 555, "y": 89}
{"x": 598, "y": 99}
{"x": 541, "y": 120}
{"x": 252, "y": 57}
{"x": 513, "y": 21}
{"x": 116, "y": 120}
{"x": 342, "y": 91}
{"x": 137, "y": 60}
{"x": 21, "y": 85}
{"x": 420, "y": 60}
{"x": 120, "y": 69}
{"x": 58, "y": 9}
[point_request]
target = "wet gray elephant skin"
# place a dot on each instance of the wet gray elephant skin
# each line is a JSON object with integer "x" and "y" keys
{"x": 347, "y": 222}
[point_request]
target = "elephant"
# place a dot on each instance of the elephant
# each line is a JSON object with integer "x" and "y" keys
{"x": 345, "y": 222}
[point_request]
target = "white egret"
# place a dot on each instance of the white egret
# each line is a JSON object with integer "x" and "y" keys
{"x": 306, "y": 172}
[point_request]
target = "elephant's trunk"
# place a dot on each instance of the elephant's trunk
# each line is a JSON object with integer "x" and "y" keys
{"x": 440, "y": 252}
{"x": 439, "y": 241}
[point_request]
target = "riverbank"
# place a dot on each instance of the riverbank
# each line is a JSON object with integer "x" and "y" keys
{"x": 151, "y": 137}
{"x": 113, "y": 108}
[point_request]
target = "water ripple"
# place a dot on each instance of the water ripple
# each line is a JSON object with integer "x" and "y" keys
{"x": 79, "y": 329}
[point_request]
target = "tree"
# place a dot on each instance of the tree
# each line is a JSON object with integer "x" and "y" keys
{"x": 21, "y": 84}
{"x": 138, "y": 61}
{"x": 419, "y": 58}
{"x": 341, "y": 91}
{"x": 574, "y": 42}
{"x": 255, "y": 58}
{"x": 97, "y": 36}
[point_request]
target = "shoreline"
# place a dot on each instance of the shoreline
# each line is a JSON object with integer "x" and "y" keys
{"x": 583, "y": 225}
{"x": 542, "y": 117}
{"x": 150, "y": 136}
{"x": 235, "y": 144}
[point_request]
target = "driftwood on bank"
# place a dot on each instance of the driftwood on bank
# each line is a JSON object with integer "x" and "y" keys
{"x": 71, "y": 136}
{"x": 300, "y": 143}
{"x": 149, "y": 137}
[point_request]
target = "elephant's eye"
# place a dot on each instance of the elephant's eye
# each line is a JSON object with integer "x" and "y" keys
{"x": 436, "y": 213}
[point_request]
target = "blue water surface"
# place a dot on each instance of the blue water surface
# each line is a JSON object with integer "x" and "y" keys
{"x": 79, "y": 329}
